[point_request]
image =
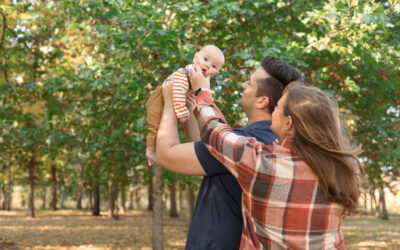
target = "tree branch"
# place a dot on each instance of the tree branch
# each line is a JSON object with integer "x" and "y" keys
{"x": 321, "y": 40}
{"x": 4, "y": 29}
{"x": 16, "y": 36}
{"x": 1, "y": 44}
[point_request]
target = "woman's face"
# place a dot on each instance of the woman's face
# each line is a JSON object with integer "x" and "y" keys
{"x": 279, "y": 120}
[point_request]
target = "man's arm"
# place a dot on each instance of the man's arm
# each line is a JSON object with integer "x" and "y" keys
{"x": 180, "y": 158}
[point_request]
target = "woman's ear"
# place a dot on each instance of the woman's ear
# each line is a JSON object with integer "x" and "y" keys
{"x": 289, "y": 126}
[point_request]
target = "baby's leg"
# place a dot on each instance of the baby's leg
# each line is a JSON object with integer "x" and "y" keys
{"x": 154, "y": 107}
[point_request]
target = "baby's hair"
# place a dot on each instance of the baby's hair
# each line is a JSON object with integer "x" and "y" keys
{"x": 210, "y": 46}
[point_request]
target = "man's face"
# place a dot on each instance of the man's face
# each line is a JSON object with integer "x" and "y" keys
{"x": 248, "y": 100}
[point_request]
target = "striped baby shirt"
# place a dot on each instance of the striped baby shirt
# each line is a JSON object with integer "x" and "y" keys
{"x": 180, "y": 87}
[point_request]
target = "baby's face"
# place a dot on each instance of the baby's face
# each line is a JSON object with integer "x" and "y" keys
{"x": 210, "y": 61}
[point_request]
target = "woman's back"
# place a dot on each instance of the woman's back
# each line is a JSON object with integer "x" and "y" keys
{"x": 296, "y": 193}
{"x": 284, "y": 207}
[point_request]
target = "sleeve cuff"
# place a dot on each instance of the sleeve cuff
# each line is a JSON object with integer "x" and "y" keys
{"x": 204, "y": 93}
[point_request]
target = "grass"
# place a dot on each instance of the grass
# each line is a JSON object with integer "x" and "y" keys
{"x": 368, "y": 232}
{"x": 71, "y": 229}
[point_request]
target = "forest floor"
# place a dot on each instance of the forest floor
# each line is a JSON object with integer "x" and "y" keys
{"x": 72, "y": 229}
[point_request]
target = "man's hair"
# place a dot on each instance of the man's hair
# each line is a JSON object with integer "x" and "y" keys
{"x": 281, "y": 74}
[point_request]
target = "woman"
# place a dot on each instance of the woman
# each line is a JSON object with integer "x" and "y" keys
{"x": 296, "y": 192}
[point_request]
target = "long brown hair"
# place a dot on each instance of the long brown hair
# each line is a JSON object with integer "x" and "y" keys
{"x": 324, "y": 144}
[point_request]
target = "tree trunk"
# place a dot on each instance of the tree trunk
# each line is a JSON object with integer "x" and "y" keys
{"x": 373, "y": 201}
{"x": 79, "y": 195}
{"x": 62, "y": 195}
{"x": 31, "y": 200}
{"x": 123, "y": 197}
{"x": 4, "y": 190}
{"x": 384, "y": 215}
{"x": 190, "y": 203}
{"x": 112, "y": 198}
{"x": 377, "y": 206}
{"x": 23, "y": 201}
{"x": 165, "y": 199}
{"x": 53, "y": 174}
{"x": 365, "y": 212}
{"x": 79, "y": 198}
{"x": 150, "y": 193}
{"x": 44, "y": 195}
{"x": 115, "y": 196}
{"x": 371, "y": 205}
{"x": 110, "y": 202}
{"x": 173, "y": 212}
{"x": 131, "y": 192}
{"x": 138, "y": 198}
{"x": 157, "y": 237}
{"x": 130, "y": 206}
{"x": 181, "y": 205}
{"x": 90, "y": 197}
{"x": 96, "y": 199}
{"x": 9, "y": 188}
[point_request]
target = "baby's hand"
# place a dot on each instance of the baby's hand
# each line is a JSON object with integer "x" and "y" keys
{"x": 184, "y": 119}
{"x": 151, "y": 155}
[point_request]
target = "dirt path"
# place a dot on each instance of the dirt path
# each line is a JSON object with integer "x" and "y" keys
{"x": 71, "y": 229}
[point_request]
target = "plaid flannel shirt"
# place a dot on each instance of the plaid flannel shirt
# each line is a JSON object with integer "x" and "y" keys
{"x": 283, "y": 206}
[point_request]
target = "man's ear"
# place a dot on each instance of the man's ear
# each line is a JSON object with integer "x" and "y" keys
{"x": 262, "y": 102}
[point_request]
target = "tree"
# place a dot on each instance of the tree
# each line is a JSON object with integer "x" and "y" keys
{"x": 157, "y": 235}
{"x": 75, "y": 77}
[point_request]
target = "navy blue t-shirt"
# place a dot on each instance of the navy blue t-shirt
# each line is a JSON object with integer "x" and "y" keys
{"x": 217, "y": 218}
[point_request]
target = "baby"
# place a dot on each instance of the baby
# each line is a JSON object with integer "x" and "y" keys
{"x": 210, "y": 59}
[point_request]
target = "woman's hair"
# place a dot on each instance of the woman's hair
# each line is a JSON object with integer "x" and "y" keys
{"x": 324, "y": 144}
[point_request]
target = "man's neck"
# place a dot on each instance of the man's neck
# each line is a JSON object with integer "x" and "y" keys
{"x": 258, "y": 117}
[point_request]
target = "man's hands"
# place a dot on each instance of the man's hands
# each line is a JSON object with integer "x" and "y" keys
{"x": 151, "y": 155}
{"x": 197, "y": 78}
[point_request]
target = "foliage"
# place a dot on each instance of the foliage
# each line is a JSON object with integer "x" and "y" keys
{"x": 75, "y": 75}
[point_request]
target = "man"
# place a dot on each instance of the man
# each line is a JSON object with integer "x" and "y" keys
{"x": 217, "y": 220}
